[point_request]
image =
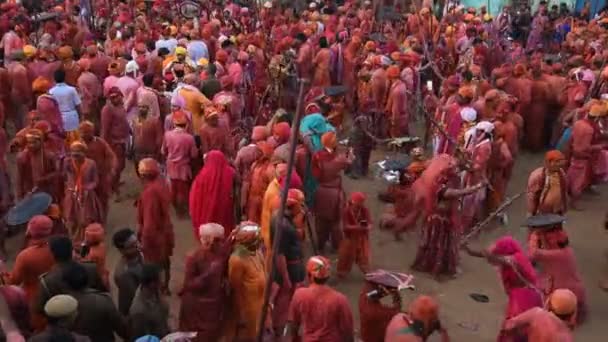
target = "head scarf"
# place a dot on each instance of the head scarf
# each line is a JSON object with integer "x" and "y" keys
{"x": 314, "y": 126}
{"x": 208, "y": 200}
{"x": 40, "y": 226}
{"x": 319, "y": 267}
{"x": 281, "y": 131}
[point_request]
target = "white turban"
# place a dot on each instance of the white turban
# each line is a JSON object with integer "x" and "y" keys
{"x": 385, "y": 61}
{"x": 485, "y": 126}
{"x": 468, "y": 114}
{"x": 211, "y": 229}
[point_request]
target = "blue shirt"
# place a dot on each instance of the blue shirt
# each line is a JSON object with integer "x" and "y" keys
{"x": 68, "y": 99}
{"x": 197, "y": 49}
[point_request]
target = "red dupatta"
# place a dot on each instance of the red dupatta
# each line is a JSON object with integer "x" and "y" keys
{"x": 211, "y": 195}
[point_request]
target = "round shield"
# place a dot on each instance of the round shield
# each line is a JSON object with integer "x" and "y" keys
{"x": 189, "y": 9}
{"x": 30, "y": 206}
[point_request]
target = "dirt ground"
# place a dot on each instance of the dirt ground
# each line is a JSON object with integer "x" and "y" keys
{"x": 465, "y": 319}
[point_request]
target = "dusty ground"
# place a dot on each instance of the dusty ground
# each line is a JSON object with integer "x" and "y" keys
{"x": 466, "y": 319}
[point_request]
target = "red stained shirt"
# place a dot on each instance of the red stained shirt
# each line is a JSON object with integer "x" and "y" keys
{"x": 322, "y": 312}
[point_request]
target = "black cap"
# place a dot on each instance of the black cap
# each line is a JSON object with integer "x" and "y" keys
{"x": 544, "y": 221}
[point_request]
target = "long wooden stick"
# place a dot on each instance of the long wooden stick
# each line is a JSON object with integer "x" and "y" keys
{"x": 295, "y": 128}
{"x": 478, "y": 227}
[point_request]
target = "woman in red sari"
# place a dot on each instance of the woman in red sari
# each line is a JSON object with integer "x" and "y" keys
{"x": 518, "y": 279}
{"x": 212, "y": 193}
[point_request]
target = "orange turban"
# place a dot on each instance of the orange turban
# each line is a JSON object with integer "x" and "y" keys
{"x": 34, "y": 133}
{"x": 87, "y": 127}
{"x": 281, "y": 132}
{"x": 210, "y": 111}
{"x": 94, "y": 233}
{"x": 424, "y": 308}
{"x": 466, "y": 92}
{"x": 266, "y": 148}
{"x": 40, "y": 226}
{"x": 329, "y": 140}
{"x": 41, "y": 85}
{"x": 65, "y": 52}
{"x": 259, "y": 133}
{"x": 393, "y": 72}
{"x": 319, "y": 267}
{"x": 597, "y": 110}
{"x": 563, "y": 302}
{"x": 554, "y": 155}
{"x": 370, "y": 46}
{"x": 357, "y": 198}
{"x": 78, "y": 146}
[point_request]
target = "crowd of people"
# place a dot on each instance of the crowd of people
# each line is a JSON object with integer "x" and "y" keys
{"x": 208, "y": 109}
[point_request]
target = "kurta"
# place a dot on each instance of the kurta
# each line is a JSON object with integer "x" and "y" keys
{"x": 179, "y": 149}
{"x": 331, "y": 324}
{"x": 195, "y": 104}
{"x": 547, "y": 192}
{"x": 91, "y": 91}
{"x": 558, "y": 270}
{"x": 115, "y": 131}
{"x": 128, "y": 87}
{"x": 473, "y": 204}
{"x": 203, "y": 288}
{"x": 147, "y": 138}
{"x": 243, "y": 162}
{"x": 329, "y": 197}
{"x": 30, "y": 264}
{"x": 354, "y": 247}
{"x": 262, "y": 173}
{"x": 580, "y": 171}
{"x": 396, "y": 110}
{"x": 215, "y": 138}
{"x": 48, "y": 110}
{"x": 81, "y": 205}
{"x": 101, "y": 153}
{"x": 273, "y": 190}
{"x": 247, "y": 279}
{"x": 38, "y": 169}
{"x": 322, "y": 61}
{"x": 155, "y": 230}
{"x": 374, "y": 316}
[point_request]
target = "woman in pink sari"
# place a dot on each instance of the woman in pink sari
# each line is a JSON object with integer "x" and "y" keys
{"x": 518, "y": 279}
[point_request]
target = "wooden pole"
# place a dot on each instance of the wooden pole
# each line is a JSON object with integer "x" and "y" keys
{"x": 293, "y": 140}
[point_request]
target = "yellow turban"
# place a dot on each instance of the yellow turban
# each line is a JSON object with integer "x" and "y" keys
{"x": 29, "y": 51}
{"x": 181, "y": 51}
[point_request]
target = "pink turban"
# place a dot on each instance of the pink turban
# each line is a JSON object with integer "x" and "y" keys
{"x": 40, "y": 226}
